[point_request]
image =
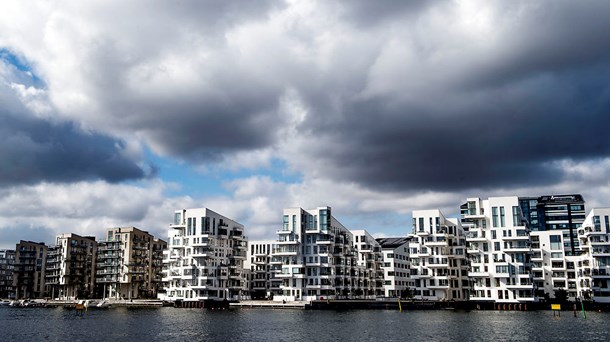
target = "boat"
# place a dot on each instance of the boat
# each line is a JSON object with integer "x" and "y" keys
{"x": 103, "y": 304}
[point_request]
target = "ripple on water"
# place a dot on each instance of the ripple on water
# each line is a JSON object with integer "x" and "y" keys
{"x": 122, "y": 324}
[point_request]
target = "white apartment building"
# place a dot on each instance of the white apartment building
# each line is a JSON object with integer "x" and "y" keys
{"x": 70, "y": 266}
{"x": 593, "y": 266}
{"x": 205, "y": 257}
{"x": 369, "y": 260}
{"x": 552, "y": 270}
{"x": 318, "y": 260}
{"x": 263, "y": 283}
{"x": 396, "y": 268}
{"x": 438, "y": 257}
{"x": 499, "y": 250}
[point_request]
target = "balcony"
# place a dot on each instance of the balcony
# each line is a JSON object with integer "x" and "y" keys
{"x": 285, "y": 251}
{"x": 521, "y": 247}
{"x": 477, "y": 274}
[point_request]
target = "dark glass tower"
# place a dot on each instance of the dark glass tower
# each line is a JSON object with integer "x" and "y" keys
{"x": 556, "y": 212}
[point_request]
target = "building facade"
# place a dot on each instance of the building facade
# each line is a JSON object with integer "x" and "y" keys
{"x": 564, "y": 213}
{"x": 369, "y": 259}
{"x": 128, "y": 264}
{"x": 593, "y": 264}
{"x": 439, "y": 267}
{"x": 7, "y": 266}
{"x": 552, "y": 269}
{"x": 29, "y": 273}
{"x": 396, "y": 267}
{"x": 263, "y": 266}
{"x": 317, "y": 256}
{"x": 205, "y": 257}
{"x": 70, "y": 266}
{"x": 499, "y": 250}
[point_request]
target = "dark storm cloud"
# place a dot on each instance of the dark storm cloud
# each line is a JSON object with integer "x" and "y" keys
{"x": 509, "y": 137}
{"x": 205, "y": 130}
{"x": 33, "y": 150}
{"x": 558, "y": 37}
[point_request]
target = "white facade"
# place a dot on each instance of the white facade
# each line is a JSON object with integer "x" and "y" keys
{"x": 263, "y": 283}
{"x": 499, "y": 250}
{"x": 552, "y": 270}
{"x": 438, "y": 257}
{"x": 317, "y": 257}
{"x": 205, "y": 256}
{"x": 396, "y": 267}
{"x": 593, "y": 268}
{"x": 369, "y": 260}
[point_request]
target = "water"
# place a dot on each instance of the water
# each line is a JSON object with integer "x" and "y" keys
{"x": 169, "y": 324}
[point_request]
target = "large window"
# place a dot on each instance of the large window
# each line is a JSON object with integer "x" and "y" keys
{"x": 286, "y": 222}
{"x": 516, "y": 216}
{"x": 502, "y": 224}
{"x": 494, "y": 216}
{"x": 555, "y": 242}
{"x": 597, "y": 223}
{"x": 323, "y": 219}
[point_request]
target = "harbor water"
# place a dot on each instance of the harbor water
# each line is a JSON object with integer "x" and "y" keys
{"x": 170, "y": 324}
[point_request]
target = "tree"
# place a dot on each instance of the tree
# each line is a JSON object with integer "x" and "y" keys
{"x": 561, "y": 295}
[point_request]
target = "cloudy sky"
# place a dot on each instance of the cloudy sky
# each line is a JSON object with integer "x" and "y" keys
{"x": 116, "y": 113}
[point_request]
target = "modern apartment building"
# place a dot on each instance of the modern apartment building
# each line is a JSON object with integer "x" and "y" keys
{"x": 128, "y": 264}
{"x": 437, "y": 252}
{"x": 29, "y": 272}
{"x": 396, "y": 267}
{"x": 369, "y": 259}
{"x": 70, "y": 266}
{"x": 318, "y": 258}
{"x": 7, "y": 266}
{"x": 593, "y": 265}
{"x": 552, "y": 269}
{"x": 205, "y": 257}
{"x": 499, "y": 250}
{"x": 263, "y": 267}
{"x": 556, "y": 212}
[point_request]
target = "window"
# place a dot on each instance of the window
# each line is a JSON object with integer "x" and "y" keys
{"x": 177, "y": 218}
{"x": 294, "y": 223}
{"x": 421, "y": 224}
{"x": 494, "y": 216}
{"x": 597, "y": 223}
{"x": 516, "y": 216}
{"x": 555, "y": 242}
{"x": 493, "y": 234}
{"x": 324, "y": 219}
{"x": 502, "y": 217}
{"x": 496, "y": 246}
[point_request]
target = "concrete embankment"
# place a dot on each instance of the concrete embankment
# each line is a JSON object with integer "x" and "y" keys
{"x": 267, "y": 304}
{"x": 136, "y": 303}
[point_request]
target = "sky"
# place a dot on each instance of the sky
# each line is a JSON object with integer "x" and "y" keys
{"x": 117, "y": 113}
